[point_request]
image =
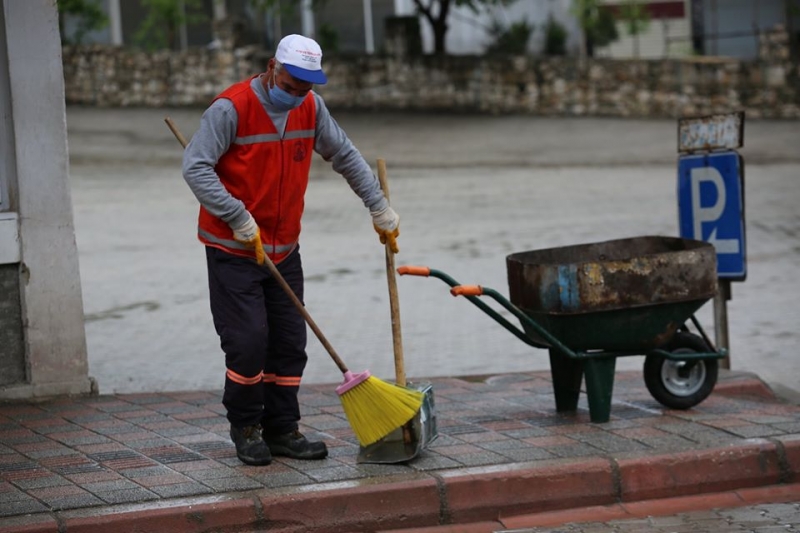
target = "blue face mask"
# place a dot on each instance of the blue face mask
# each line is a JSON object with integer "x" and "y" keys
{"x": 282, "y": 100}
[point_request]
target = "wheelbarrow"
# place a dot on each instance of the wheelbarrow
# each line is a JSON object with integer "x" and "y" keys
{"x": 591, "y": 303}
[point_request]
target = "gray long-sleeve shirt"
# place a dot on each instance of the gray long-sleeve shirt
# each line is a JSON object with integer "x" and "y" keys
{"x": 218, "y": 130}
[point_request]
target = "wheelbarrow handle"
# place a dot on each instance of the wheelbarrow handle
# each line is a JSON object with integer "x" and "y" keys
{"x": 467, "y": 290}
{"x": 414, "y": 270}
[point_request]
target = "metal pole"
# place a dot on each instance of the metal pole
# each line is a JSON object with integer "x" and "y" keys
{"x": 115, "y": 22}
{"x": 721, "y": 320}
{"x": 307, "y": 19}
{"x": 369, "y": 38}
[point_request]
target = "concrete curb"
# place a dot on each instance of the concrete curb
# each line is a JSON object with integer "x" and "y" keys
{"x": 464, "y": 497}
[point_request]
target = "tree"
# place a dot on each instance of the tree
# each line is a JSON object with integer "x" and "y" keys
{"x": 88, "y": 15}
{"x": 511, "y": 40}
{"x": 555, "y": 38}
{"x": 598, "y": 25}
{"x": 164, "y": 17}
{"x": 637, "y": 19}
{"x": 436, "y": 13}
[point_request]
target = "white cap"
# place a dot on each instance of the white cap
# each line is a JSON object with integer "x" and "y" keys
{"x": 302, "y": 58}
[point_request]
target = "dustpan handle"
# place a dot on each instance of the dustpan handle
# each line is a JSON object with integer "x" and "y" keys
{"x": 394, "y": 300}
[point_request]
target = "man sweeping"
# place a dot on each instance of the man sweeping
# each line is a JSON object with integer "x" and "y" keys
{"x": 248, "y": 166}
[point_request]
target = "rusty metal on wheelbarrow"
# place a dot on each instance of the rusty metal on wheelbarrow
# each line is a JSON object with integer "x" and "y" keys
{"x": 616, "y": 294}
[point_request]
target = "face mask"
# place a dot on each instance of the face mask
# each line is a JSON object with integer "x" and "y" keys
{"x": 282, "y": 100}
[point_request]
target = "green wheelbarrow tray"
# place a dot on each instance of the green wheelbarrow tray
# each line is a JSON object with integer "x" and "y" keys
{"x": 404, "y": 443}
{"x": 589, "y": 304}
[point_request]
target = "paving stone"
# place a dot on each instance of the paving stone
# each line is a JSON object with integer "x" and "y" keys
{"x": 133, "y": 495}
{"x": 111, "y": 485}
{"x": 181, "y": 489}
{"x": 72, "y": 502}
{"x": 281, "y": 479}
{"x": 526, "y": 454}
{"x": 212, "y": 473}
{"x": 225, "y": 484}
{"x": 41, "y": 482}
{"x": 336, "y": 473}
{"x": 21, "y": 507}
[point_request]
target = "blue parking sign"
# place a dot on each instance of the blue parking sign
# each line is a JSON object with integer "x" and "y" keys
{"x": 711, "y": 207}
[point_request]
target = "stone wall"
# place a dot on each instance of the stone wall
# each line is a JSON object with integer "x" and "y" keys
{"x": 109, "y": 76}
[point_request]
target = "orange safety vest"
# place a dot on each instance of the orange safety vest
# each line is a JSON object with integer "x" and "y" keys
{"x": 266, "y": 172}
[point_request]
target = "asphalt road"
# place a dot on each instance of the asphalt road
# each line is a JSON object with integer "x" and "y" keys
{"x": 469, "y": 189}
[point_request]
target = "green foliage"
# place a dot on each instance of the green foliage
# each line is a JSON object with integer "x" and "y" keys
{"x": 605, "y": 31}
{"x": 328, "y": 38}
{"x": 88, "y": 14}
{"x": 436, "y": 13}
{"x": 636, "y": 19}
{"x": 511, "y": 40}
{"x": 635, "y": 16}
{"x": 598, "y": 25}
{"x": 160, "y": 27}
{"x": 555, "y": 38}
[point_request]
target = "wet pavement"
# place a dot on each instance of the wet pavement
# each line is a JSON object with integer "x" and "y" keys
{"x": 503, "y": 455}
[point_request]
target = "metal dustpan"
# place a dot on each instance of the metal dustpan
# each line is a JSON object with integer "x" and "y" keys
{"x": 404, "y": 443}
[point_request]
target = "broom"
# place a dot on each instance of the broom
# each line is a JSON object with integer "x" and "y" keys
{"x": 374, "y": 408}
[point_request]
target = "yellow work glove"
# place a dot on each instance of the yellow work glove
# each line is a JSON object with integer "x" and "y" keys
{"x": 249, "y": 235}
{"x": 387, "y": 223}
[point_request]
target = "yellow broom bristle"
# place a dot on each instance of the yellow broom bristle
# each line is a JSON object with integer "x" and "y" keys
{"x": 375, "y": 408}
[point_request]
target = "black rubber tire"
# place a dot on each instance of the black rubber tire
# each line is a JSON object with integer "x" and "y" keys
{"x": 669, "y": 382}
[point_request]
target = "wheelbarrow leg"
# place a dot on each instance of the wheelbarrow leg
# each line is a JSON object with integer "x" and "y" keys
{"x": 567, "y": 376}
{"x": 599, "y": 386}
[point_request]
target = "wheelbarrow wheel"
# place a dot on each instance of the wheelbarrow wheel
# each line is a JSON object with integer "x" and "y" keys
{"x": 681, "y": 384}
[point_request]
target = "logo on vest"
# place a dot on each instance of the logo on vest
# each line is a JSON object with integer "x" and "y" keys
{"x": 299, "y": 151}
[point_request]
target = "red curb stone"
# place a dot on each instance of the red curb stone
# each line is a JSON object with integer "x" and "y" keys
{"x": 477, "y": 527}
{"x": 488, "y": 493}
{"x": 29, "y": 524}
{"x": 773, "y": 494}
{"x": 597, "y": 513}
{"x": 714, "y": 470}
{"x": 659, "y": 507}
{"x": 682, "y": 504}
{"x": 792, "y": 448}
{"x": 225, "y": 515}
{"x": 401, "y": 504}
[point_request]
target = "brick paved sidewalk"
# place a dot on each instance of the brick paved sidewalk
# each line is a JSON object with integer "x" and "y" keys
{"x": 90, "y": 457}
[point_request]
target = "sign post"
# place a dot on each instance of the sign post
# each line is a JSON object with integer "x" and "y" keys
{"x": 711, "y": 201}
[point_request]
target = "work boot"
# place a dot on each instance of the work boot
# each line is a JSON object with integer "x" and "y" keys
{"x": 295, "y": 445}
{"x": 250, "y": 447}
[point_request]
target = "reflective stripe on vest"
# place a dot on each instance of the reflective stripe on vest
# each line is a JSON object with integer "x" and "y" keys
{"x": 236, "y": 245}
{"x": 272, "y": 137}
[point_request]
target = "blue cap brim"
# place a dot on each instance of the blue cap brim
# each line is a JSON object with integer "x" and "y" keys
{"x": 311, "y": 76}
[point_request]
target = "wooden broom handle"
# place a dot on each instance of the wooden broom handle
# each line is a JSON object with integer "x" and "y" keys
{"x": 279, "y": 278}
{"x": 394, "y": 301}
{"x": 301, "y": 308}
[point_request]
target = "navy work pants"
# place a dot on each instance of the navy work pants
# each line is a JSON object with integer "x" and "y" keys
{"x": 263, "y": 337}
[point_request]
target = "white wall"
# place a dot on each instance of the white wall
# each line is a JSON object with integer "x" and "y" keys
{"x": 652, "y": 43}
{"x": 34, "y": 117}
